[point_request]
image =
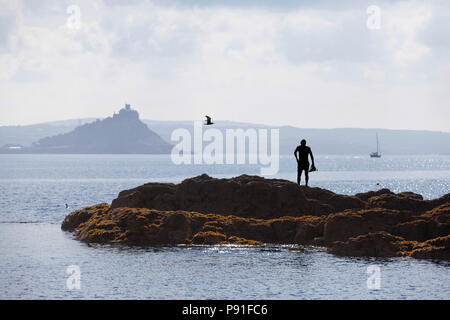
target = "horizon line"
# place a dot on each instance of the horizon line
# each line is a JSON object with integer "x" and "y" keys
{"x": 218, "y": 121}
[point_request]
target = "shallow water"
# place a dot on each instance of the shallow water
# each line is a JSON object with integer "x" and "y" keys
{"x": 35, "y": 258}
{"x": 35, "y": 253}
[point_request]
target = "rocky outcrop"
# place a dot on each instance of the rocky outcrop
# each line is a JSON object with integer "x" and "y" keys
{"x": 383, "y": 244}
{"x": 133, "y": 226}
{"x": 77, "y": 218}
{"x": 250, "y": 210}
{"x": 243, "y": 196}
{"x": 351, "y": 223}
{"x": 438, "y": 248}
{"x": 405, "y": 201}
{"x": 367, "y": 195}
{"x": 376, "y": 244}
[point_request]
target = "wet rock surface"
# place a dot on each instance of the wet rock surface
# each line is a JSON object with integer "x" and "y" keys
{"x": 250, "y": 210}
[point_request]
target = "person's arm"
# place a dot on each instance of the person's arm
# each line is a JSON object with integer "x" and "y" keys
{"x": 312, "y": 157}
{"x": 295, "y": 154}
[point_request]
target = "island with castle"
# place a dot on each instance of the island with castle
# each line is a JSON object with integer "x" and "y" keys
{"x": 123, "y": 133}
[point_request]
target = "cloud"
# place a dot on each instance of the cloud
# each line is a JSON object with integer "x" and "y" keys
{"x": 8, "y": 25}
{"x": 237, "y": 59}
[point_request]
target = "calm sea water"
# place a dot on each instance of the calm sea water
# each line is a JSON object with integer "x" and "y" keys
{"x": 35, "y": 253}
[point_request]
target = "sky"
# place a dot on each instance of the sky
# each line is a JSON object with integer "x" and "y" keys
{"x": 311, "y": 64}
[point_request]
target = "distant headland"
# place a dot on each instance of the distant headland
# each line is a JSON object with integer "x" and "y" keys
{"x": 123, "y": 133}
{"x": 338, "y": 141}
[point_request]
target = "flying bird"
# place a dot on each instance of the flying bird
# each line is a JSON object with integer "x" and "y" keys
{"x": 67, "y": 206}
{"x": 208, "y": 121}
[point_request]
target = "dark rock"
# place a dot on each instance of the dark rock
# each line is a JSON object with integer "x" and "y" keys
{"x": 439, "y": 221}
{"x": 74, "y": 219}
{"x": 141, "y": 226}
{"x": 244, "y": 196}
{"x": 413, "y": 230}
{"x": 367, "y": 195}
{"x": 405, "y": 201}
{"x": 377, "y": 244}
{"x": 438, "y": 248}
{"x": 307, "y": 232}
{"x": 250, "y": 210}
{"x": 351, "y": 223}
{"x": 208, "y": 238}
{"x": 410, "y": 195}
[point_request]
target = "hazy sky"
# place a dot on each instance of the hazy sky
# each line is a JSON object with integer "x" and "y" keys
{"x": 300, "y": 63}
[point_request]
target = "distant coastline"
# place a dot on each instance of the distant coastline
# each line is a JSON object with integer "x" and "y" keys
{"x": 123, "y": 133}
{"x": 338, "y": 141}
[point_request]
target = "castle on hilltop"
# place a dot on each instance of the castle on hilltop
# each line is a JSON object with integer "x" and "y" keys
{"x": 126, "y": 113}
{"x": 121, "y": 133}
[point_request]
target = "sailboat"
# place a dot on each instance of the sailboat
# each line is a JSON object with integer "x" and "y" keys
{"x": 376, "y": 154}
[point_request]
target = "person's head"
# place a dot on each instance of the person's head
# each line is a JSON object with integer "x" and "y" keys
{"x": 303, "y": 142}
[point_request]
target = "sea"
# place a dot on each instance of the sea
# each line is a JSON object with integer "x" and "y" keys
{"x": 37, "y": 259}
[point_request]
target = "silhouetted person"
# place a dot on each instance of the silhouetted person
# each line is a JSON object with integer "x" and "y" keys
{"x": 302, "y": 160}
{"x": 208, "y": 121}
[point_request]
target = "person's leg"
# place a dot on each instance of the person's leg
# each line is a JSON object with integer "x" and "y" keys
{"x": 306, "y": 168}
{"x": 299, "y": 175}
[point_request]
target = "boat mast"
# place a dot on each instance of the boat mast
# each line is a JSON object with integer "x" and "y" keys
{"x": 377, "y": 144}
